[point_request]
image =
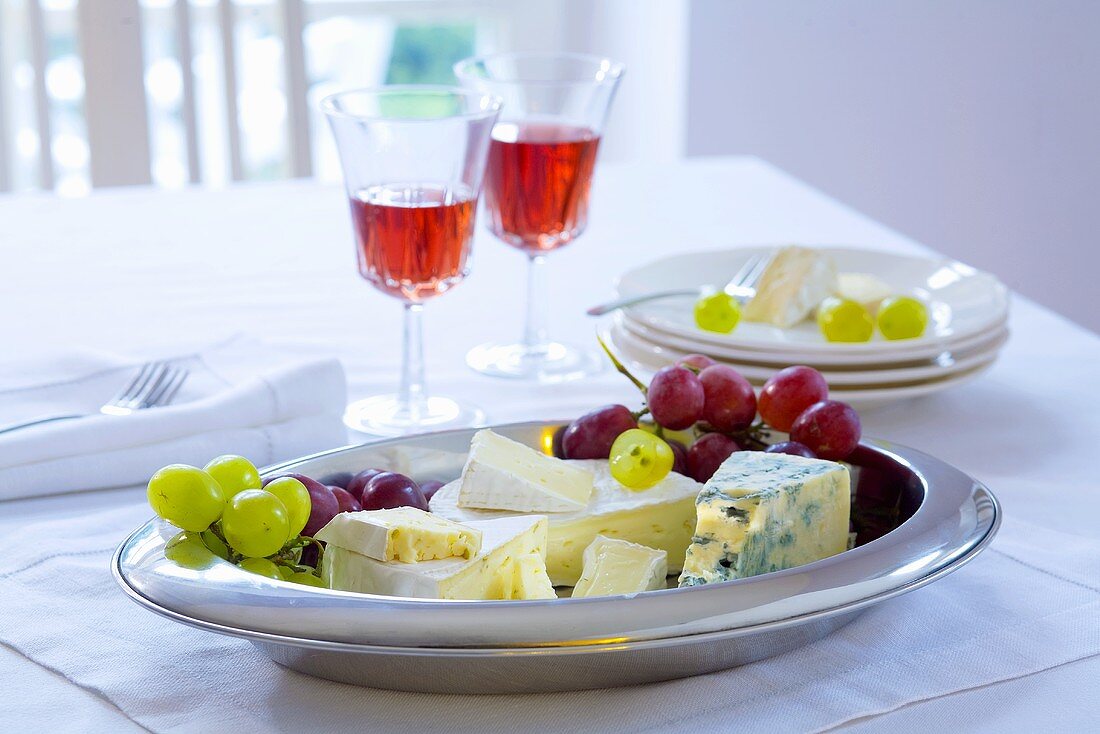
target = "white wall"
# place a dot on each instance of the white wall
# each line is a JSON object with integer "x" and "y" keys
{"x": 973, "y": 126}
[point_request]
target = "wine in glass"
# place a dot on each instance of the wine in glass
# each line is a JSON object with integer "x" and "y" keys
{"x": 413, "y": 159}
{"x": 540, "y": 168}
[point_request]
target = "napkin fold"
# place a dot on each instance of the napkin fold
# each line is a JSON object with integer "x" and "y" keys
{"x": 241, "y": 397}
{"x": 1028, "y": 604}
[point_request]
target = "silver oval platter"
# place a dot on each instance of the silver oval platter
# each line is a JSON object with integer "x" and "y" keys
{"x": 928, "y": 519}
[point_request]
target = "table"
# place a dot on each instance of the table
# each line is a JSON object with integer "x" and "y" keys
{"x": 142, "y": 271}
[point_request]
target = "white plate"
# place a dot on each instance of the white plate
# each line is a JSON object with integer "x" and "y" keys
{"x": 859, "y": 397}
{"x": 963, "y": 302}
{"x": 659, "y": 346}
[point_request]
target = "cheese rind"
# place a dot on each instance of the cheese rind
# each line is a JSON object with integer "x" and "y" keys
{"x": 405, "y": 534}
{"x": 482, "y": 577}
{"x": 613, "y": 567}
{"x": 795, "y": 281}
{"x": 766, "y": 512}
{"x": 502, "y": 474}
{"x": 661, "y": 517}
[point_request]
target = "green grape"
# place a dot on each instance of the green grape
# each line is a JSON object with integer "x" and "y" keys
{"x": 844, "y": 320}
{"x": 187, "y": 497}
{"x": 902, "y": 317}
{"x": 262, "y": 566}
{"x": 295, "y": 497}
{"x": 255, "y": 523}
{"x": 301, "y": 577}
{"x": 285, "y": 572}
{"x": 186, "y": 549}
{"x": 234, "y": 474}
{"x": 718, "y": 312}
{"x": 639, "y": 459}
{"x": 216, "y": 545}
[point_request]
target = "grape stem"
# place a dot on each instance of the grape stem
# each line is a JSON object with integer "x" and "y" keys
{"x": 754, "y": 436}
{"x": 620, "y": 367}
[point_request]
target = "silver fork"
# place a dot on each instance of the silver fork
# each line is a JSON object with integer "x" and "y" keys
{"x": 155, "y": 384}
{"x": 742, "y": 286}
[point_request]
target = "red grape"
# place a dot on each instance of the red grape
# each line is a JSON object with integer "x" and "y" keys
{"x": 708, "y": 453}
{"x": 323, "y": 505}
{"x": 730, "y": 402}
{"x": 675, "y": 398}
{"x": 679, "y": 456}
{"x": 555, "y": 442}
{"x": 794, "y": 448}
{"x": 430, "y": 487}
{"x": 337, "y": 479}
{"x": 390, "y": 489}
{"x": 359, "y": 481}
{"x": 591, "y": 435}
{"x": 345, "y": 500}
{"x": 309, "y": 556}
{"x": 789, "y": 392}
{"x": 829, "y": 428}
{"x": 699, "y": 361}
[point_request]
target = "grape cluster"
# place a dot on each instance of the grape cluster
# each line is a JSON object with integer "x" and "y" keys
{"x": 697, "y": 412}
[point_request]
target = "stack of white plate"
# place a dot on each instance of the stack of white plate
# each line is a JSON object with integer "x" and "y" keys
{"x": 968, "y": 311}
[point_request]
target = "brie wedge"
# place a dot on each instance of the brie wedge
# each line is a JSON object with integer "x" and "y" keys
{"x": 404, "y": 534}
{"x": 488, "y": 575}
{"x": 765, "y": 512}
{"x": 792, "y": 285}
{"x": 863, "y": 288}
{"x": 661, "y": 517}
{"x": 614, "y": 567}
{"x": 502, "y": 474}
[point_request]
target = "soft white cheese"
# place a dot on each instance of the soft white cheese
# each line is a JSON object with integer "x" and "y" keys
{"x": 613, "y": 566}
{"x": 404, "y": 534}
{"x": 863, "y": 288}
{"x": 661, "y": 517}
{"x": 488, "y": 575}
{"x": 795, "y": 281}
{"x": 502, "y": 474}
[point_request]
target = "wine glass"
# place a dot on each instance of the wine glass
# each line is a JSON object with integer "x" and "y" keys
{"x": 536, "y": 185}
{"x": 413, "y": 159}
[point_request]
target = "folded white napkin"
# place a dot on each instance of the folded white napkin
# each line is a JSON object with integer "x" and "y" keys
{"x": 240, "y": 397}
{"x": 1028, "y": 604}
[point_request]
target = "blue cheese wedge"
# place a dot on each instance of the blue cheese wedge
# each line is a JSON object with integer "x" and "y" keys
{"x": 796, "y": 280}
{"x": 502, "y": 474}
{"x": 404, "y": 534}
{"x": 613, "y": 567}
{"x": 766, "y": 512}
{"x": 491, "y": 574}
{"x": 661, "y": 517}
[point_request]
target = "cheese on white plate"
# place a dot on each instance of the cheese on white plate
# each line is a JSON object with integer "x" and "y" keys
{"x": 661, "y": 517}
{"x": 863, "y": 288}
{"x": 491, "y": 574}
{"x": 795, "y": 281}
{"x": 502, "y": 474}
{"x": 405, "y": 534}
{"x": 613, "y": 567}
{"x": 767, "y": 512}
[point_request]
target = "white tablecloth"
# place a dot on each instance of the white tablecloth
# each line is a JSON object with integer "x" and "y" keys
{"x": 142, "y": 271}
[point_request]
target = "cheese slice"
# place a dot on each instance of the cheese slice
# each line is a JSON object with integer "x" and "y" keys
{"x": 792, "y": 285}
{"x": 661, "y": 517}
{"x": 502, "y": 474}
{"x": 405, "y": 534}
{"x": 481, "y": 577}
{"x": 526, "y": 579}
{"x": 613, "y": 566}
{"x": 863, "y": 288}
{"x": 766, "y": 512}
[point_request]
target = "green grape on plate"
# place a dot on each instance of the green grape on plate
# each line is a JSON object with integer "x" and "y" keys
{"x": 295, "y": 497}
{"x": 234, "y": 474}
{"x": 639, "y": 459}
{"x": 717, "y": 312}
{"x": 263, "y": 567}
{"x": 186, "y": 496}
{"x": 256, "y": 524}
{"x": 187, "y": 550}
{"x": 902, "y": 317}
{"x": 845, "y": 320}
{"x": 308, "y": 579}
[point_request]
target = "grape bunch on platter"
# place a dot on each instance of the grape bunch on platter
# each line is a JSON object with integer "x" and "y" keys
{"x": 697, "y": 412}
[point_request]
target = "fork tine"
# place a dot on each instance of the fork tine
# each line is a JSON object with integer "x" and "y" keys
{"x": 745, "y": 270}
{"x": 758, "y": 269}
{"x": 141, "y": 400}
{"x": 167, "y": 389}
{"x": 132, "y": 388}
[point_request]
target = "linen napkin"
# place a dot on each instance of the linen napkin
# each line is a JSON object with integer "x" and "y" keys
{"x": 240, "y": 397}
{"x": 1029, "y": 603}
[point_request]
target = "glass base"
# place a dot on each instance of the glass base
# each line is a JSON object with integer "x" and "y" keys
{"x": 555, "y": 362}
{"x": 383, "y": 415}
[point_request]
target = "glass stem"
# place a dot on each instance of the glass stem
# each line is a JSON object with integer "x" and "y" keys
{"x": 534, "y": 331}
{"x": 411, "y": 394}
